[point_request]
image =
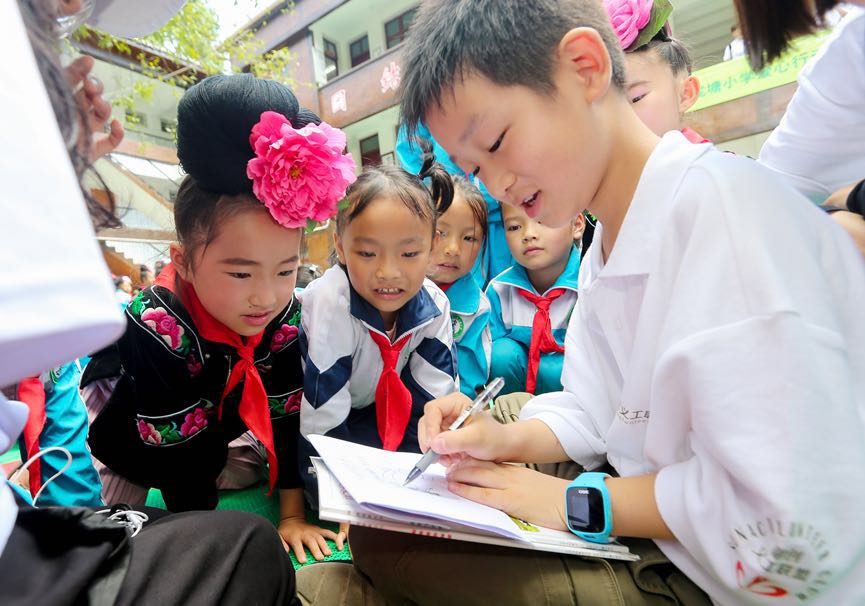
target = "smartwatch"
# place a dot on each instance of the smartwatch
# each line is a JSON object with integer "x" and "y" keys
{"x": 587, "y": 508}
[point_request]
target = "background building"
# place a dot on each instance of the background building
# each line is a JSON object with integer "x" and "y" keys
{"x": 346, "y": 65}
{"x": 349, "y": 62}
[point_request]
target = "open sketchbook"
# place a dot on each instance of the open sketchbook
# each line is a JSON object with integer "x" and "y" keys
{"x": 362, "y": 485}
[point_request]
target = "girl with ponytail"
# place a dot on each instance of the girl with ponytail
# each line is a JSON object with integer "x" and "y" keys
{"x": 211, "y": 351}
{"x": 376, "y": 334}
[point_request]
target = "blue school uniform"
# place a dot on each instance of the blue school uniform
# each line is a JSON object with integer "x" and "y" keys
{"x": 511, "y": 318}
{"x": 61, "y": 420}
{"x": 342, "y": 363}
{"x": 496, "y": 256}
{"x": 470, "y": 317}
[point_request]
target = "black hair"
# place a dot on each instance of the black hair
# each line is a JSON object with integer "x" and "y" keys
{"x": 671, "y": 51}
{"x": 510, "y": 42}
{"x": 768, "y": 26}
{"x": 387, "y": 180}
{"x": 214, "y": 120}
{"x": 40, "y": 21}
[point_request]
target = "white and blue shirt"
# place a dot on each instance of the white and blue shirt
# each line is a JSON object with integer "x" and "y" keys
{"x": 342, "y": 364}
{"x": 470, "y": 318}
{"x": 512, "y": 315}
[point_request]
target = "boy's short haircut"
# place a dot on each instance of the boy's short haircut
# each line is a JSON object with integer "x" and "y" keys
{"x": 510, "y": 42}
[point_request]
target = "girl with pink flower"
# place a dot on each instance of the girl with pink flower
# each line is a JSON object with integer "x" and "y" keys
{"x": 201, "y": 391}
{"x": 657, "y": 66}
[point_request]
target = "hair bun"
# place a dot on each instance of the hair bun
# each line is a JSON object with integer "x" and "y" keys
{"x": 214, "y": 120}
{"x": 304, "y": 117}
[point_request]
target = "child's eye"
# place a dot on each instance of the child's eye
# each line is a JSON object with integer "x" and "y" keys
{"x": 638, "y": 98}
{"x": 512, "y": 227}
{"x": 470, "y": 239}
{"x": 441, "y": 234}
{"x": 365, "y": 254}
{"x": 287, "y": 273}
{"x": 240, "y": 275}
{"x": 497, "y": 144}
{"x": 411, "y": 254}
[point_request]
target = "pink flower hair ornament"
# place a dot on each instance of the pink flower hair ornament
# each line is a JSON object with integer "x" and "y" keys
{"x": 300, "y": 175}
{"x": 636, "y": 22}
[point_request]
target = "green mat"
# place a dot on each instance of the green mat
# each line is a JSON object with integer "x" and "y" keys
{"x": 254, "y": 500}
{"x": 10, "y": 456}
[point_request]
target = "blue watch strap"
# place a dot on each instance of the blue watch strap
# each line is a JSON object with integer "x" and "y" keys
{"x": 594, "y": 486}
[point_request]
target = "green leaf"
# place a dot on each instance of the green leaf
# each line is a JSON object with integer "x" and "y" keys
{"x": 661, "y": 11}
{"x": 343, "y": 204}
{"x": 311, "y": 224}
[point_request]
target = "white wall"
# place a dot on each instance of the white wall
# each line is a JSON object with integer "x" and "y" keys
{"x": 383, "y": 123}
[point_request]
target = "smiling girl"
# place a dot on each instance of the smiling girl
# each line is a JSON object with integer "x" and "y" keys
{"x": 376, "y": 335}
{"x": 211, "y": 350}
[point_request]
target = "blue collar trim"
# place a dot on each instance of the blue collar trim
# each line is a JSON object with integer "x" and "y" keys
{"x": 465, "y": 295}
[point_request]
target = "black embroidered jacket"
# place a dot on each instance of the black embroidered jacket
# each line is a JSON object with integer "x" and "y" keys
{"x": 161, "y": 426}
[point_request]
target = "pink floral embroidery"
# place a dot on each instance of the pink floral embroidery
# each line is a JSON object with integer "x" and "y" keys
{"x": 284, "y": 335}
{"x": 628, "y": 17}
{"x": 165, "y": 325}
{"x": 299, "y": 175}
{"x": 292, "y": 404}
{"x": 193, "y": 422}
{"x": 149, "y": 433}
{"x": 193, "y": 365}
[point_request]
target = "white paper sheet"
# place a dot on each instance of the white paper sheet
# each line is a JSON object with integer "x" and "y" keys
{"x": 374, "y": 479}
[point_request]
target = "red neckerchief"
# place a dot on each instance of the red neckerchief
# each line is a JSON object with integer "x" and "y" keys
{"x": 253, "y": 408}
{"x": 542, "y": 332}
{"x": 392, "y": 397}
{"x": 693, "y": 136}
{"x": 31, "y": 391}
{"x": 445, "y": 286}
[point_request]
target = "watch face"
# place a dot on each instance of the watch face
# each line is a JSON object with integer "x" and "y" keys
{"x": 585, "y": 508}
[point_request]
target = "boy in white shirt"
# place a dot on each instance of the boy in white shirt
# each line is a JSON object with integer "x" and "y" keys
{"x": 717, "y": 365}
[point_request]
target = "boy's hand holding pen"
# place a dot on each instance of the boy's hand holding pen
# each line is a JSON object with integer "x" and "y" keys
{"x": 454, "y": 425}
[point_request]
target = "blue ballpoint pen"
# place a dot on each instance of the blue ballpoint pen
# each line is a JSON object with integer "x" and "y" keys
{"x": 480, "y": 402}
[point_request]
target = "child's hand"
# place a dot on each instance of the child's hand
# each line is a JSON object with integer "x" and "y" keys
{"x": 298, "y": 534}
{"x": 481, "y": 437}
{"x": 518, "y": 491}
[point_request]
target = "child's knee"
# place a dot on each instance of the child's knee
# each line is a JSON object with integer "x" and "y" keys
{"x": 509, "y": 360}
{"x": 550, "y": 373}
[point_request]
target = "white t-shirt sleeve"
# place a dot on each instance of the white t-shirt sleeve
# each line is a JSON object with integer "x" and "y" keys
{"x": 56, "y": 296}
{"x": 819, "y": 146}
{"x": 762, "y": 362}
{"x": 580, "y": 416}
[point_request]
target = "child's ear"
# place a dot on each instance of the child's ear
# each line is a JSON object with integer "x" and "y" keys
{"x": 179, "y": 261}
{"x": 583, "y": 54}
{"x": 689, "y": 94}
{"x": 337, "y": 244}
{"x": 579, "y": 226}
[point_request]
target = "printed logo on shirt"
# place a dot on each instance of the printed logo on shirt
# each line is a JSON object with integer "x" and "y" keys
{"x": 632, "y": 417}
{"x": 458, "y": 325}
{"x": 791, "y": 557}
